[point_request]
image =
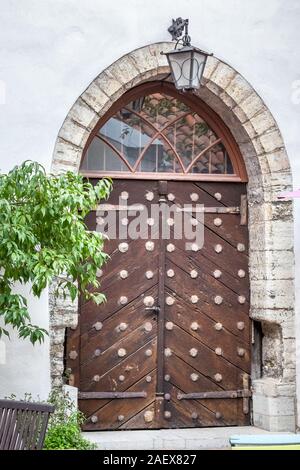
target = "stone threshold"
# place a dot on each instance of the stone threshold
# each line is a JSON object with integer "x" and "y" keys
{"x": 170, "y": 439}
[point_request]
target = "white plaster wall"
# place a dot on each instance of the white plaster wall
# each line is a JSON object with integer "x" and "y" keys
{"x": 50, "y": 50}
{"x": 24, "y": 368}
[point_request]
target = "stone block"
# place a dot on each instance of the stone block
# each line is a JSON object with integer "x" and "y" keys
{"x": 289, "y": 352}
{"x": 271, "y": 264}
{"x": 145, "y": 59}
{"x": 57, "y": 367}
{"x": 263, "y": 122}
{"x": 278, "y": 161}
{"x": 289, "y": 330}
{"x": 289, "y": 373}
{"x": 83, "y": 114}
{"x": 240, "y": 114}
{"x": 248, "y": 151}
{"x": 252, "y": 105}
{"x": 272, "y": 294}
{"x": 270, "y": 315}
{"x": 109, "y": 83}
{"x": 287, "y": 389}
{"x": 155, "y": 51}
{"x": 95, "y": 97}
{"x": 66, "y": 152}
{"x": 257, "y": 144}
{"x": 227, "y": 100}
{"x": 74, "y": 133}
{"x": 63, "y": 319}
{"x": 276, "y": 183}
{"x": 124, "y": 71}
{"x": 57, "y": 351}
{"x": 275, "y": 423}
{"x": 271, "y": 141}
{"x": 273, "y": 235}
{"x": 211, "y": 65}
{"x": 57, "y": 336}
{"x": 59, "y": 167}
{"x": 223, "y": 75}
{"x": 60, "y": 302}
{"x": 277, "y": 210}
{"x": 273, "y": 406}
{"x": 239, "y": 89}
{"x": 265, "y": 387}
{"x": 250, "y": 129}
{"x": 213, "y": 88}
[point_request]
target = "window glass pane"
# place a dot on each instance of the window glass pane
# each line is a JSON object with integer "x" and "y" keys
{"x": 159, "y": 157}
{"x": 100, "y": 157}
{"x": 160, "y": 109}
{"x": 214, "y": 161}
{"x": 127, "y": 133}
{"x": 190, "y": 135}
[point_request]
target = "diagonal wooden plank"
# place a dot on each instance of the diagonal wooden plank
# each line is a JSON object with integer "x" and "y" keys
{"x": 108, "y": 416}
{"x": 208, "y": 250}
{"x": 188, "y": 262}
{"x": 208, "y": 285}
{"x": 183, "y": 191}
{"x": 184, "y": 317}
{"x": 117, "y": 264}
{"x": 186, "y": 410}
{"x": 180, "y": 372}
{"x": 92, "y": 313}
{"x": 206, "y": 362}
{"x": 230, "y": 193}
{"x": 116, "y": 353}
{"x": 117, "y": 326}
{"x": 138, "y": 421}
{"x": 230, "y": 230}
{"x": 131, "y": 369}
{"x": 228, "y": 317}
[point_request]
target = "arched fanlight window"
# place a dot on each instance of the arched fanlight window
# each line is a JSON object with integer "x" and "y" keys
{"x": 158, "y": 132}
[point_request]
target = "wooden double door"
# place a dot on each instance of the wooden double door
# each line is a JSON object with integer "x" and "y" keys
{"x": 170, "y": 348}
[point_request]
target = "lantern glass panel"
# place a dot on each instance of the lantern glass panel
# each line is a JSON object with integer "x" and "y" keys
{"x": 199, "y": 60}
{"x": 180, "y": 66}
{"x": 187, "y": 66}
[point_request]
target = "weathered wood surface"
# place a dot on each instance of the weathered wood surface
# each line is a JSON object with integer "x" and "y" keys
{"x": 201, "y": 345}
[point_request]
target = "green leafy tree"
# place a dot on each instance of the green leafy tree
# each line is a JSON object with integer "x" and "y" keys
{"x": 64, "y": 430}
{"x": 43, "y": 235}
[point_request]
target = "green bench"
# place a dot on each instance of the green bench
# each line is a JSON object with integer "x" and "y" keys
{"x": 266, "y": 442}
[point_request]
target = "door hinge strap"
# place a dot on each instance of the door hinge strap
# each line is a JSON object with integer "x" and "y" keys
{"x": 110, "y": 395}
{"x": 210, "y": 210}
{"x": 231, "y": 394}
{"x": 244, "y": 210}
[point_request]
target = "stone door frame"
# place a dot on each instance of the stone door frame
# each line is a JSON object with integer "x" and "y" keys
{"x": 270, "y": 220}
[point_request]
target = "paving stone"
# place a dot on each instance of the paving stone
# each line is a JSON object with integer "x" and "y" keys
{"x": 169, "y": 439}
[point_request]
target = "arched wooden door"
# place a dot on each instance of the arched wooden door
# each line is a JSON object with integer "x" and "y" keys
{"x": 171, "y": 346}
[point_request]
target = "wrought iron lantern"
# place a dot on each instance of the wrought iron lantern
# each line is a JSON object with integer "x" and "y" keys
{"x": 188, "y": 62}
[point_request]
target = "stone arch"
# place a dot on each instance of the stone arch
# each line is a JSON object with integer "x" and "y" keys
{"x": 270, "y": 220}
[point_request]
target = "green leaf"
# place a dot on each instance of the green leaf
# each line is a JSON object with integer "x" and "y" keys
{"x": 43, "y": 236}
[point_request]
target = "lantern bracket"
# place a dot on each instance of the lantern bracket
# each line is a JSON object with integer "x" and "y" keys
{"x": 176, "y": 30}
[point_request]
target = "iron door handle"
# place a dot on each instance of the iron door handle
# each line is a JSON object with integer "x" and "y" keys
{"x": 153, "y": 309}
